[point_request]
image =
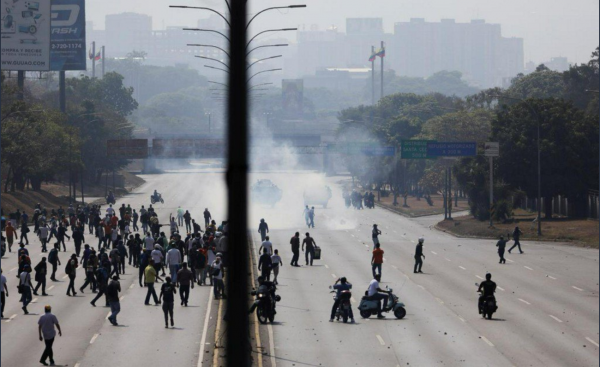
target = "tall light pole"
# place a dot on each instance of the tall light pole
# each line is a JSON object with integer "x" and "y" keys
{"x": 261, "y": 72}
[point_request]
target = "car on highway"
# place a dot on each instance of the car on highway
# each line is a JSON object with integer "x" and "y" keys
{"x": 266, "y": 192}
{"x": 317, "y": 195}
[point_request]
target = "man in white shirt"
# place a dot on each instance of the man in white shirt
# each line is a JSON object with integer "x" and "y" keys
{"x": 173, "y": 260}
{"x": 377, "y": 294}
{"x": 275, "y": 264}
{"x": 266, "y": 245}
{"x": 43, "y": 233}
{"x": 110, "y": 211}
{"x": 157, "y": 258}
{"x": 149, "y": 242}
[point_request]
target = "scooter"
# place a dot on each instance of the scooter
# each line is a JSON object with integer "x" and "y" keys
{"x": 368, "y": 307}
{"x": 343, "y": 310}
{"x": 488, "y": 307}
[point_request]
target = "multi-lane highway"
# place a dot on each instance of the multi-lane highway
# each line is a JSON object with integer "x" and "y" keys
{"x": 548, "y": 297}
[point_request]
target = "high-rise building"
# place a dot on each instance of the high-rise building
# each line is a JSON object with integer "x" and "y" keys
{"x": 128, "y": 32}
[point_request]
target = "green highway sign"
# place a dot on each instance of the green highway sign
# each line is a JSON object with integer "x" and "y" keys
{"x": 414, "y": 149}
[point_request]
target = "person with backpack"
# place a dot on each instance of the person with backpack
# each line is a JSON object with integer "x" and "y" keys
{"x": 25, "y": 287}
{"x": 71, "y": 271}
{"x": 102, "y": 280}
{"x": 54, "y": 261}
{"x": 41, "y": 269}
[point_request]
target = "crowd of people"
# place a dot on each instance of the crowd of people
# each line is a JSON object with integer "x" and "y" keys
{"x": 355, "y": 199}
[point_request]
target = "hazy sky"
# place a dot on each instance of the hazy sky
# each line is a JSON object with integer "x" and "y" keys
{"x": 549, "y": 27}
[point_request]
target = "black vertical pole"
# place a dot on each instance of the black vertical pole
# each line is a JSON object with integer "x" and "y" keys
{"x": 450, "y": 193}
{"x": 445, "y": 194}
{"x": 20, "y": 84}
{"x": 62, "y": 95}
{"x": 238, "y": 336}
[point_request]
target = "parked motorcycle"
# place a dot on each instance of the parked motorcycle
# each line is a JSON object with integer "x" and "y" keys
{"x": 156, "y": 199}
{"x": 264, "y": 304}
{"x": 368, "y": 307}
{"x": 343, "y": 310}
{"x": 488, "y": 307}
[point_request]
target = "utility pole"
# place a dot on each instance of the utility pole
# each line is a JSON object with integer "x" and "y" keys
{"x": 62, "y": 94}
{"x": 382, "y": 57}
{"x": 93, "y": 59}
{"x": 373, "y": 76}
{"x": 450, "y": 193}
{"x": 20, "y": 84}
{"x": 492, "y": 190}
{"x": 103, "y": 61}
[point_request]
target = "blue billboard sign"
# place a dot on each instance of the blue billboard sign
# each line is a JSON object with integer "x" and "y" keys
{"x": 451, "y": 149}
{"x": 67, "y": 35}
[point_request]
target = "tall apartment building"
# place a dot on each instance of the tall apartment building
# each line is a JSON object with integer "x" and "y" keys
{"x": 477, "y": 49}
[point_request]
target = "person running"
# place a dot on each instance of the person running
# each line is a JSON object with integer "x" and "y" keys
{"x": 263, "y": 229}
{"x": 377, "y": 260}
{"x": 311, "y": 217}
{"x": 47, "y": 333}
{"x": 185, "y": 280}
{"x": 24, "y": 230}
{"x": 102, "y": 280}
{"x": 275, "y": 264}
{"x": 516, "y": 235}
{"x": 295, "y": 242}
{"x": 112, "y": 295}
{"x": 167, "y": 297}
{"x": 419, "y": 256}
{"x": 310, "y": 244}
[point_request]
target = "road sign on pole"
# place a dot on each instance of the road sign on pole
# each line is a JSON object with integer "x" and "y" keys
{"x": 127, "y": 148}
{"x": 414, "y": 149}
{"x": 492, "y": 149}
{"x": 451, "y": 149}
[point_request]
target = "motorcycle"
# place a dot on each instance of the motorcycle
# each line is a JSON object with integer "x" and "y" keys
{"x": 368, "y": 307}
{"x": 110, "y": 200}
{"x": 343, "y": 310}
{"x": 156, "y": 199}
{"x": 264, "y": 304}
{"x": 488, "y": 307}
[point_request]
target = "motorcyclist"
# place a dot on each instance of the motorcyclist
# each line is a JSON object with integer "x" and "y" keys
{"x": 343, "y": 286}
{"x": 377, "y": 294}
{"x": 156, "y": 195}
{"x": 111, "y": 197}
{"x": 487, "y": 288}
{"x": 263, "y": 285}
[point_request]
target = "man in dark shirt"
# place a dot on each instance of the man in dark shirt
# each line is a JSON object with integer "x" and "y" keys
{"x": 487, "y": 288}
{"x": 185, "y": 279}
{"x": 112, "y": 294}
{"x": 295, "y": 242}
{"x": 501, "y": 247}
{"x": 167, "y": 296}
{"x": 419, "y": 256}
{"x": 516, "y": 235}
{"x": 265, "y": 264}
{"x": 310, "y": 248}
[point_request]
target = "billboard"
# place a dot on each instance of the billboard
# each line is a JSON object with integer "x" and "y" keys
{"x": 25, "y": 32}
{"x": 127, "y": 148}
{"x": 188, "y": 148}
{"x": 67, "y": 35}
{"x": 292, "y": 91}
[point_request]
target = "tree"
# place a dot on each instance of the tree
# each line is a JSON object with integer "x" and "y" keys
{"x": 542, "y": 83}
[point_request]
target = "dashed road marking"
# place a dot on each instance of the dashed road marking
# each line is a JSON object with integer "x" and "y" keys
{"x": 326, "y": 266}
{"x": 592, "y": 341}
{"x": 13, "y": 269}
{"x": 381, "y": 341}
{"x": 132, "y": 285}
{"x": 461, "y": 319}
{"x": 551, "y": 277}
{"x": 120, "y": 299}
{"x": 478, "y": 277}
{"x": 420, "y": 286}
{"x": 395, "y": 232}
{"x": 65, "y": 277}
{"x": 579, "y": 289}
{"x": 556, "y": 318}
{"x": 448, "y": 260}
{"x": 333, "y": 275}
{"x": 395, "y": 267}
{"x": 433, "y": 252}
{"x": 384, "y": 259}
{"x": 108, "y": 314}
{"x": 502, "y": 289}
{"x": 509, "y": 260}
{"x": 94, "y": 338}
{"x": 525, "y": 302}
{"x": 34, "y": 300}
{"x": 439, "y": 300}
{"x": 352, "y": 300}
{"x": 11, "y": 318}
{"x": 77, "y": 364}
{"x": 486, "y": 341}
{"x": 462, "y": 267}
{"x": 527, "y": 267}
{"x": 366, "y": 246}
{"x": 352, "y": 235}
{"x": 51, "y": 287}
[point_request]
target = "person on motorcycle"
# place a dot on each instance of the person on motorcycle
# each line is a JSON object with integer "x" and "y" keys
{"x": 487, "y": 288}
{"x": 377, "y": 294}
{"x": 343, "y": 286}
{"x": 263, "y": 282}
{"x": 111, "y": 197}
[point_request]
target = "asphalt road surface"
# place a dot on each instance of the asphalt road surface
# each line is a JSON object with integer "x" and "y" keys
{"x": 548, "y": 297}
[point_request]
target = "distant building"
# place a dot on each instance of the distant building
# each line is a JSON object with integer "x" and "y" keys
{"x": 128, "y": 32}
{"x": 559, "y": 64}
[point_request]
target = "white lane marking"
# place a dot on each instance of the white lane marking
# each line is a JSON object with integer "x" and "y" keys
{"x": 77, "y": 364}
{"x": 525, "y": 302}
{"x": 555, "y": 318}
{"x": 352, "y": 235}
{"x": 205, "y": 329}
{"x": 420, "y": 286}
{"x": 333, "y": 275}
{"x": 448, "y": 260}
{"x": 462, "y": 267}
{"x": 326, "y": 266}
{"x": 132, "y": 285}
{"x": 352, "y": 300}
{"x": 509, "y": 260}
{"x": 433, "y": 252}
{"x": 94, "y": 338}
{"x": 120, "y": 299}
{"x": 34, "y": 300}
{"x": 478, "y": 277}
{"x": 461, "y": 319}
{"x": 381, "y": 341}
{"x": 366, "y": 246}
{"x": 65, "y": 277}
{"x": 527, "y": 267}
{"x": 412, "y": 241}
{"x": 502, "y": 289}
{"x": 13, "y": 269}
{"x": 395, "y": 267}
{"x": 11, "y": 318}
{"x": 592, "y": 341}
{"x": 51, "y": 287}
{"x": 439, "y": 300}
{"x": 579, "y": 289}
{"x": 486, "y": 341}
{"x": 384, "y": 259}
{"x": 551, "y": 277}
{"x": 272, "y": 345}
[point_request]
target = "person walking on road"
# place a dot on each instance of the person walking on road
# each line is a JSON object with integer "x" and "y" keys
{"x": 307, "y": 216}
{"x": 102, "y": 280}
{"x": 185, "y": 279}
{"x": 310, "y": 244}
{"x": 46, "y": 330}
{"x": 43, "y": 232}
{"x": 218, "y": 285}
{"x": 25, "y": 287}
{"x": 263, "y": 229}
{"x": 311, "y": 217}
{"x": 419, "y": 256}
{"x": 54, "y": 261}
{"x": 295, "y": 242}
{"x": 501, "y": 244}
{"x": 377, "y": 260}
{"x": 173, "y": 261}
{"x": 375, "y": 235}
{"x": 264, "y": 265}
{"x": 180, "y": 213}
{"x": 167, "y": 297}
{"x": 11, "y": 233}
{"x": 187, "y": 218}
{"x": 516, "y": 235}
{"x": 41, "y": 269}
{"x": 112, "y": 294}
{"x": 71, "y": 270}
{"x": 4, "y": 293}
{"x": 275, "y": 264}
{"x": 267, "y": 245}
{"x": 150, "y": 277}
{"x": 207, "y": 218}
{"x": 78, "y": 239}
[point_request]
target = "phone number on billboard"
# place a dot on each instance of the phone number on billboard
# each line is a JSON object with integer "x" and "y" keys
{"x": 66, "y": 45}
